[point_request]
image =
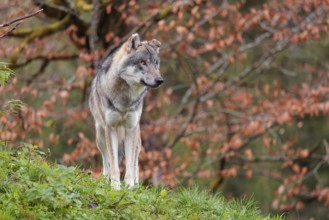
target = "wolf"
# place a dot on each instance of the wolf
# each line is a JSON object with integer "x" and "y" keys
{"x": 116, "y": 103}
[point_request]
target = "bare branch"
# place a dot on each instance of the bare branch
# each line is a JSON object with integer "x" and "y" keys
{"x": 47, "y": 4}
{"x": 11, "y": 30}
{"x": 190, "y": 119}
{"x": 20, "y": 18}
{"x": 49, "y": 57}
{"x": 39, "y": 72}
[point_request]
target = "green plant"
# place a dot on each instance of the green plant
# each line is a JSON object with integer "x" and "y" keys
{"x": 31, "y": 188}
{"x": 5, "y": 74}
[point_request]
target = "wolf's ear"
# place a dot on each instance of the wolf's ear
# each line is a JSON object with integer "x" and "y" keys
{"x": 133, "y": 42}
{"x": 156, "y": 44}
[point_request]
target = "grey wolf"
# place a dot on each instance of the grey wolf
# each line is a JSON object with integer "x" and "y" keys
{"x": 116, "y": 103}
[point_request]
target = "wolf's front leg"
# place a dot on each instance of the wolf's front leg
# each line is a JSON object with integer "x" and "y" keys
{"x": 130, "y": 155}
{"x": 111, "y": 138}
{"x": 138, "y": 144}
{"x": 100, "y": 141}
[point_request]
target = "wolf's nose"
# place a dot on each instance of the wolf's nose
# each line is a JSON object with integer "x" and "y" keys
{"x": 159, "y": 80}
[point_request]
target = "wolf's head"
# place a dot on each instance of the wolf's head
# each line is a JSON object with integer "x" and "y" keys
{"x": 140, "y": 62}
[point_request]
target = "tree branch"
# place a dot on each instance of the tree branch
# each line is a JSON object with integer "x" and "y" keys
{"x": 49, "y": 57}
{"x": 153, "y": 18}
{"x": 39, "y": 72}
{"x": 18, "y": 21}
{"x": 20, "y": 18}
{"x": 40, "y": 32}
{"x": 11, "y": 30}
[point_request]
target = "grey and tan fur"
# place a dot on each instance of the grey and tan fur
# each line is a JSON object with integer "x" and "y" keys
{"x": 116, "y": 102}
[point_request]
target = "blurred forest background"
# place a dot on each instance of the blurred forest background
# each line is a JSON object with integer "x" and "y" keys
{"x": 243, "y": 111}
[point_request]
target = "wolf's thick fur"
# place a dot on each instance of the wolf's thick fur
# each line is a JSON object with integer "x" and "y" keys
{"x": 116, "y": 102}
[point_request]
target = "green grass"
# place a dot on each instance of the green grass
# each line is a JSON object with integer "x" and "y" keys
{"x": 31, "y": 188}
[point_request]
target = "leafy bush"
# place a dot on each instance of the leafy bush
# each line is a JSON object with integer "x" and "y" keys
{"x": 5, "y": 74}
{"x": 31, "y": 188}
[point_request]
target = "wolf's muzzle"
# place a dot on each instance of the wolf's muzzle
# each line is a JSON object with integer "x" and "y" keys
{"x": 158, "y": 81}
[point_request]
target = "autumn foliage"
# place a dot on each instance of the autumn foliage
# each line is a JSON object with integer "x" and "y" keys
{"x": 244, "y": 83}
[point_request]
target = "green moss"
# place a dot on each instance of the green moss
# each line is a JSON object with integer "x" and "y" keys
{"x": 31, "y": 188}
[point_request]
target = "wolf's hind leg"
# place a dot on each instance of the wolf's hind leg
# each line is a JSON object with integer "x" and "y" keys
{"x": 100, "y": 140}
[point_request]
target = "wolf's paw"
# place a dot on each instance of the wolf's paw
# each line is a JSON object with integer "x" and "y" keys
{"x": 130, "y": 185}
{"x": 116, "y": 185}
{"x": 106, "y": 175}
{"x": 135, "y": 186}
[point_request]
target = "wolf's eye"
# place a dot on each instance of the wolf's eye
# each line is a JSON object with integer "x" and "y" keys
{"x": 143, "y": 62}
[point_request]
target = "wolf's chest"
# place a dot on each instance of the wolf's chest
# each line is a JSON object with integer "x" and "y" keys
{"x": 128, "y": 119}
{"x": 124, "y": 103}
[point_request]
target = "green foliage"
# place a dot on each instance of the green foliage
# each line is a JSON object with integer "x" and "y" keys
{"x": 31, "y": 188}
{"x": 5, "y": 73}
{"x": 13, "y": 105}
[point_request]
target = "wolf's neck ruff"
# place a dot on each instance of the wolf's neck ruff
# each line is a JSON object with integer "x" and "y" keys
{"x": 132, "y": 106}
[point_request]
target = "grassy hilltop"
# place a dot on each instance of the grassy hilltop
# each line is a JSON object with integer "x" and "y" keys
{"x": 31, "y": 188}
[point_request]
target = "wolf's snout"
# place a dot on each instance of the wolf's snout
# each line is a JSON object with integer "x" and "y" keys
{"x": 159, "y": 80}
